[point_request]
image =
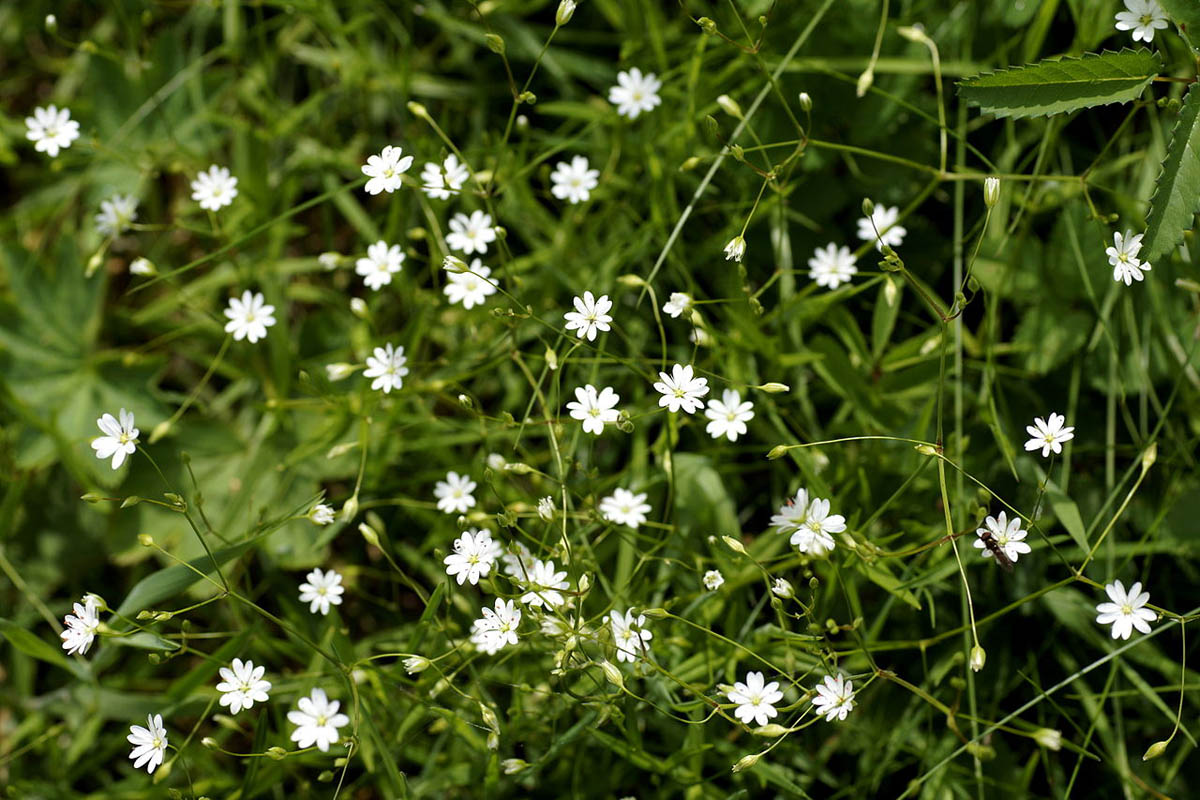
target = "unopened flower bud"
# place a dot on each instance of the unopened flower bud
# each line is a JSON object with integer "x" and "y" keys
{"x": 1154, "y": 751}
{"x": 1048, "y": 738}
{"x": 774, "y": 729}
{"x": 566, "y": 10}
{"x": 209, "y": 742}
{"x": 545, "y": 509}
{"x": 864, "y": 82}
{"x": 358, "y": 307}
{"x": 707, "y": 25}
{"x": 145, "y": 540}
{"x": 736, "y": 249}
{"x": 730, "y": 106}
{"x": 494, "y": 43}
{"x": 142, "y": 266}
{"x": 734, "y": 545}
{"x": 978, "y": 658}
{"x": 418, "y": 110}
{"x": 369, "y": 534}
{"x": 51, "y": 23}
{"x": 454, "y": 264}
{"x": 350, "y": 508}
{"x": 416, "y": 664}
{"x": 1150, "y": 456}
{"x": 612, "y": 674}
{"x": 805, "y": 102}
{"x": 339, "y": 371}
{"x": 746, "y": 762}
{"x": 991, "y": 191}
{"x": 512, "y": 766}
{"x": 690, "y": 163}
{"x": 778, "y": 451}
{"x": 783, "y": 588}
{"x": 773, "y": 387}
{"x": 926, "y": 450}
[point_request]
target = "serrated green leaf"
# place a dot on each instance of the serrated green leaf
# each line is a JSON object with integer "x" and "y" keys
{"x": 1176, "y": 196}
{"x": 1060, "y": 85}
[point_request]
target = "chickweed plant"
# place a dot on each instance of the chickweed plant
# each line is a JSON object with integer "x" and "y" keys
{"x": 611, "y": 399}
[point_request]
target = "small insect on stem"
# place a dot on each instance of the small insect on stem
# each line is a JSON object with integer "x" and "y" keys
{"x": 989, "y": 541}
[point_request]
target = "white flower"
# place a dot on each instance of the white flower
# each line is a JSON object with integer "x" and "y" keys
{"x": 755, "y": 699}
{"x": 792, "y": 513}
{"x": 120, "y": 439}
{"x": 635, "y": 92}
{"x": 728, "y": 416}
{"x": 149, "y": 743}
{"x": 116, "y": 214}
{"x": 214, "y": 189}
{"x": 1142, "y": 17}
{"x": 317, "y": 721}
{"x": 1122, "y": 256}
{"x": 573, "y": 182}
{"x": 832, "y": 266}
{"x": 243, "y": 685}
{"x": 470, "y": 288}
{"x": 248, "y": 317}
{"x": 470, "y": 234}
{"x": 386, "y": 366}
{"x": 566, "y": 9}
{"x": 678, "y": 303}
{"x": 590, "y": 315}
{"x": 51, "y": 129}
{"x": 454, "y": 494}
{"x": 1006, "y": 533}
{"x": 545, "y": 508}
{"x": 813, "y": 537}
{"x": 329, "y": 260}
{"x": 735, "y": 249}
{"x": 321, "y": 514}
{"x": 882, "y": 219}
{"x": 783, "y": 588}
{"x": 681, "y": 389}
{"x": 629, "y": 635}
{"x": 542, "y": 584}
{"x": 415, "y": 664}
{"x": 991, "y": 191}
{"x": 497, "y": 629}
{"x": 594, "y": 409}
{"x": 1126, "y": 611}
{"x": 834, "y": 698}
{"x": 380, "y": 264}
{"x": 441, "y": 182}
{"x": 1048, "y": 435}
{"x": 385, "y": 170}
{"x": 625, "y": 508}
{"x": 81, "y": 626}
{"x": 322, "y": 589}
{"x": 474, "y": 555}
{"x": 713, "y": 580}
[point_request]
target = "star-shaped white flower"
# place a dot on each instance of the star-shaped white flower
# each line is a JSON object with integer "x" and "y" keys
{"x": 471, "y": 288}
{"x": 813, "y": 537}
{"x": 834, "y": 698}
{"x": 573, "y": 182}
{"x": 635, "y": 93}
{"x": 242, "y": 685}
{"x": 594, "y": 409}
{"x": 629, "y": 635}
{"x": 832, "y": 265}
{"x": 381, "y": 263}
{"x": 120, "y": 439}
{"x": 590, "y": 315}
{"x": 474, "y": 555}
{"x": 1126, "y": 611}
{"x": 681, "y": 389}
{"x": 470, "y": 234}
{"x": 81, "y": 626}
{"x": 1048, "y": 435}
{"x": 439, "y": 182}
{"x": 1123, "y": 257}
{"x": 385, "y": 170}
{"x": 713, "y": 580}
{"x": 542, "y": 585}
{"x": 454, "y": 494}
{"x": 248, "y": 317}
{"x": 885, "y": 221}
{"x": 321, "y": 590}
{"x": 116, "y": 214}
{"x": 317, "y": 721}
{"x": 51, "y": 129}
{"x": 1007, "y": 535}
{"x": 728, "y": 416}
{"x": 678, "y": 303}
{"x": 496, "y": 629}
{"x": 792, "y": 514}
{"x": 1142, "y": 17}
{"x": 625, "y": 508}
{"x": 755, "y": 699}
{"x": 387, "y": 366}
{"x": 149, "y": 743}
{"x": 214, "y": 189}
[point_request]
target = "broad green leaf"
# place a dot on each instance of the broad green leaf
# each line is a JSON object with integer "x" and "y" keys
{"x": 171, "y": 581}
{"x": 1177, "y": 192}
{"x": 1183, "y": 12}
{"x": 1060, "y": 85}
{"x": 1068, "y": 514}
